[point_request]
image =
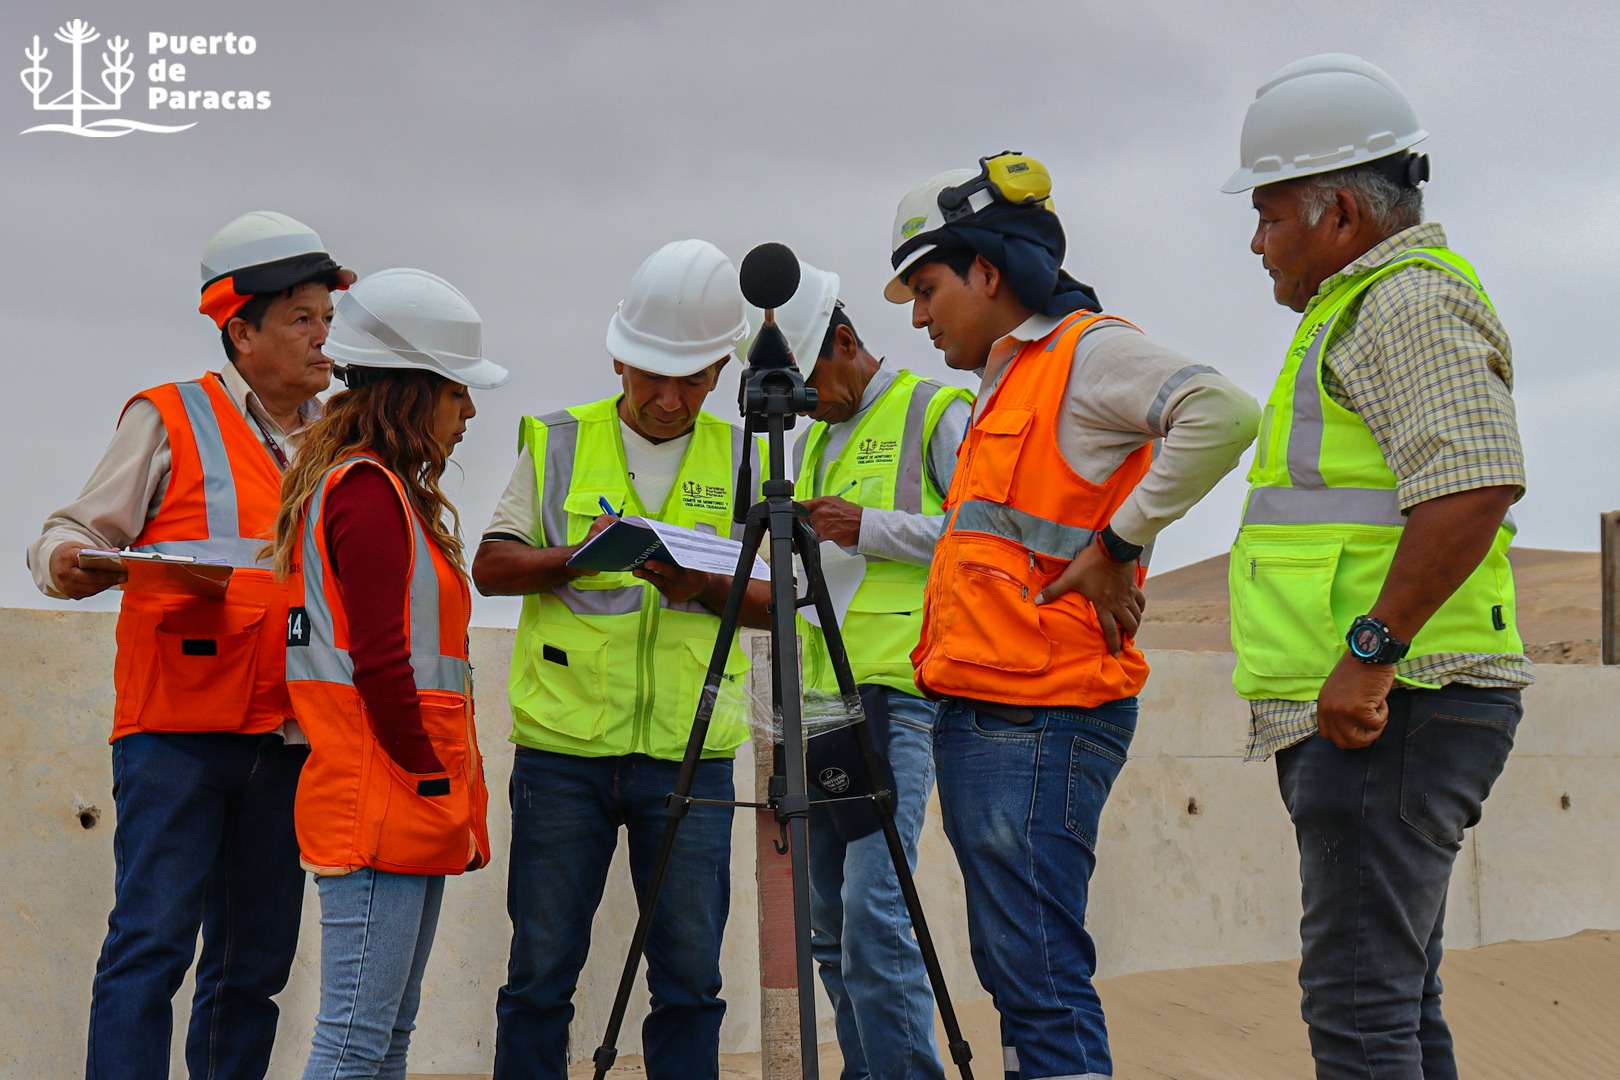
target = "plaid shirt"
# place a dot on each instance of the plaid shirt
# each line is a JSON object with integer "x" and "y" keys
{"x": 1427, "y": 366}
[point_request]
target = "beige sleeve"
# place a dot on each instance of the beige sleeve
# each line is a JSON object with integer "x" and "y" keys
{"x": 1125, "y": 390}
{"x": 517, "y": 514}
{"x": 122, "y": 494}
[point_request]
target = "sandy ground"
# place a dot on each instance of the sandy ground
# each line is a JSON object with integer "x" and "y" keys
{"x": 1558, "y": 597}
{"x": 1518, "y": 1010}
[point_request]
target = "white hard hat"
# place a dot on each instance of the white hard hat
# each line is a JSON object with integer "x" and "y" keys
{"x": 411, "y": 319}
{"x": 262, "y": 252}
{"x": 1325, "y": 112}
{"x": 919, "y": 212}
{"x": 683, "y": 311}
{"x": 803, "y": 319}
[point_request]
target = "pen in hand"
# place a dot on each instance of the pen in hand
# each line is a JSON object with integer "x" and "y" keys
{"x": 607, "y": 507}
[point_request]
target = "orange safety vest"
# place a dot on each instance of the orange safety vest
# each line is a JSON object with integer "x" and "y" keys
{"x": 190, "y": 663}
{"x": 1015, "y": 517}
{"x": 356, "y": 807}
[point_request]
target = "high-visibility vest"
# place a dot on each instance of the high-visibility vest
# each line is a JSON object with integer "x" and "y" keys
{"x": 883, "y": 466}
{"x": 355, "y": 806}
{"x": 190, "y": 663}
{"x": 1322, "y": 521}
{"x": 1016, "y": 516}
{"x": 606, "y": 664}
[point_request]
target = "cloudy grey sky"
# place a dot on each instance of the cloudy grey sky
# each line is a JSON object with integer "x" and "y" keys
{"x": 534, "y": 153}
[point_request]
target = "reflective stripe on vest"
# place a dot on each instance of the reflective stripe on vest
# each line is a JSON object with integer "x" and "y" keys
{"x": 903, "y": 418}
{"x": 562, "y": 445}
{"x": 191, "y": 663}
{"x": 1320, "y": 528}
{"x": 1013, "y": 525}
{"x": 323, "y": 661}
{"x": 606, "y": 664}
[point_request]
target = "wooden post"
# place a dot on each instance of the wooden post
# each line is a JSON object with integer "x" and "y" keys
{"x": 780, "y": 1054}
{"x": 1611, "y": 587}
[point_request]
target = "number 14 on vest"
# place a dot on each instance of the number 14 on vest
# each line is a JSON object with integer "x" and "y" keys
{"x": 631, "y": 541}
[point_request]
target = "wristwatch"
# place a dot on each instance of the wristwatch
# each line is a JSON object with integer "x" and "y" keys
{"x": 1116, "y": 547}
{"x": 1371, "y": 642}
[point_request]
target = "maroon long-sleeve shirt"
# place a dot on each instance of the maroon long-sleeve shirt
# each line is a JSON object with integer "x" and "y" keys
{"x": 369, "y": 541}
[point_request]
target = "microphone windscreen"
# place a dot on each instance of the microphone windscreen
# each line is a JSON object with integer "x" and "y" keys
{"x": 769, "y": 275}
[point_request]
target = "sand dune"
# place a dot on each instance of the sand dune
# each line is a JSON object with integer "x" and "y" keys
{"x": 1559, "y": 606}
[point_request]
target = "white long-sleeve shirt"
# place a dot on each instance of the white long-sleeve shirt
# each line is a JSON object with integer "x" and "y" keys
{"x": 1126, "y": 389}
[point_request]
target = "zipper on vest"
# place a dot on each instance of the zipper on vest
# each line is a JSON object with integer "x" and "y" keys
{"x": 998, "y": 572}
{"x": 645, "y": 690}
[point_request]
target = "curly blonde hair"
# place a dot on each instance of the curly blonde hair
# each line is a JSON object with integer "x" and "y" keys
{"x": 391, "y": 416}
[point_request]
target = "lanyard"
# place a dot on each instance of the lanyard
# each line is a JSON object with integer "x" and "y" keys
{"x": 270, "y": 443}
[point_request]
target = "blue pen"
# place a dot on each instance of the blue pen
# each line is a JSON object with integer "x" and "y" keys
{"x": 607, "y": 507}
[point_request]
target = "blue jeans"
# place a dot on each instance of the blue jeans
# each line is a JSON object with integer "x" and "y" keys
{"x": 862, "y": 940}
{"x": 1021, "y": 804}
{"x": 1379, "y": 829}
{"x": 566, "y": 816}
{"x": 376, "y": 933}
{"x": 204, "y": 839}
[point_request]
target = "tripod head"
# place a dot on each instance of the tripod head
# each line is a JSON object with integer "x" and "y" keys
{"x": 772, "y": 384}
{"x": 772, "y": 393}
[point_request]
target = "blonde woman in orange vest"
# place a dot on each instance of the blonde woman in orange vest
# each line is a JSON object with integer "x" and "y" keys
{"x": 204, "y": 757}
{"x": 392, "y": 798}
{"x": 1034, "y": 593}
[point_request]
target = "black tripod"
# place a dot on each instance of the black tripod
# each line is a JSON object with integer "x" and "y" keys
{"x": 771, "y": 397}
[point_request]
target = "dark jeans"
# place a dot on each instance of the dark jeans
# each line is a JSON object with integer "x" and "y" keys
{"x": 204, "y": 838}
{"x": 1379, "y": 829}
{"x": 1021, "y": 803}
{"x": 566, "y": 816}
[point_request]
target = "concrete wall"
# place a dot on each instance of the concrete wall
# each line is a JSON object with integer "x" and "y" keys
{"x": 1197, "y": 858}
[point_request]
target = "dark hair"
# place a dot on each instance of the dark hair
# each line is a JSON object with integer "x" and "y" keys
{"x": 838, "y": 319}
{"x": 258, "y": 305}
{"x": 956, "y": 256}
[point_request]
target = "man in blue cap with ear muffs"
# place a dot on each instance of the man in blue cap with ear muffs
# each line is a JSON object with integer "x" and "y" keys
{"x": 1034, "y": 594}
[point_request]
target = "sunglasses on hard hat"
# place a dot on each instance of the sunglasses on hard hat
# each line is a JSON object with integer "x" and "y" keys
{"x": 1009, "y": 177}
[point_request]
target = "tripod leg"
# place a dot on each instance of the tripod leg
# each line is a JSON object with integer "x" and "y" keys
{"x": 677, "y": 805}
{"x": 794, "y": 807}
{"x": 883, "y": 804}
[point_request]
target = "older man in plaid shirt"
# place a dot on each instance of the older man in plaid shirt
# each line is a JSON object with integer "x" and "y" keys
{"x": 1372, "y": 599}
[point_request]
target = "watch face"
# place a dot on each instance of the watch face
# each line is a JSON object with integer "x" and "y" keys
{"x": 1366, "y": 641}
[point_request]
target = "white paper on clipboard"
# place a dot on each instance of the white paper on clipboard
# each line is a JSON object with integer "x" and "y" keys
{"x": 843, "y": 572}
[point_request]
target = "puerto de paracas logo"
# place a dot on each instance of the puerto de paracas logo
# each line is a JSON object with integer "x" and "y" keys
{"x": 117, "y": 75}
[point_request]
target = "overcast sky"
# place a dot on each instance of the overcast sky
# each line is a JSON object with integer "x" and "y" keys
{"x": 534, "y": 153}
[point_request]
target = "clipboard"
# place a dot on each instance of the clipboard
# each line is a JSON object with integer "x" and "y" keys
{"x": 152, "y": 572}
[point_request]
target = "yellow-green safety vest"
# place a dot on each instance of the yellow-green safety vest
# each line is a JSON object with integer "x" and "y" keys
{"x": 883, "y": 466}
{"x": 1322, "y": 521}
{"x": 606, "y": 664}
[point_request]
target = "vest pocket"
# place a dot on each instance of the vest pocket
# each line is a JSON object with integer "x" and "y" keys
{"x": 423, "y": 825}
{"x": 991, "y": 619}
{"x": 680, "y": 689}
{"x": 446, "y": 718}
{"x": 1282, "y": 605}
{"x": 570, "y": 680}
{"x": 194, "y": 666}
{"x": 996, "y": 442}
